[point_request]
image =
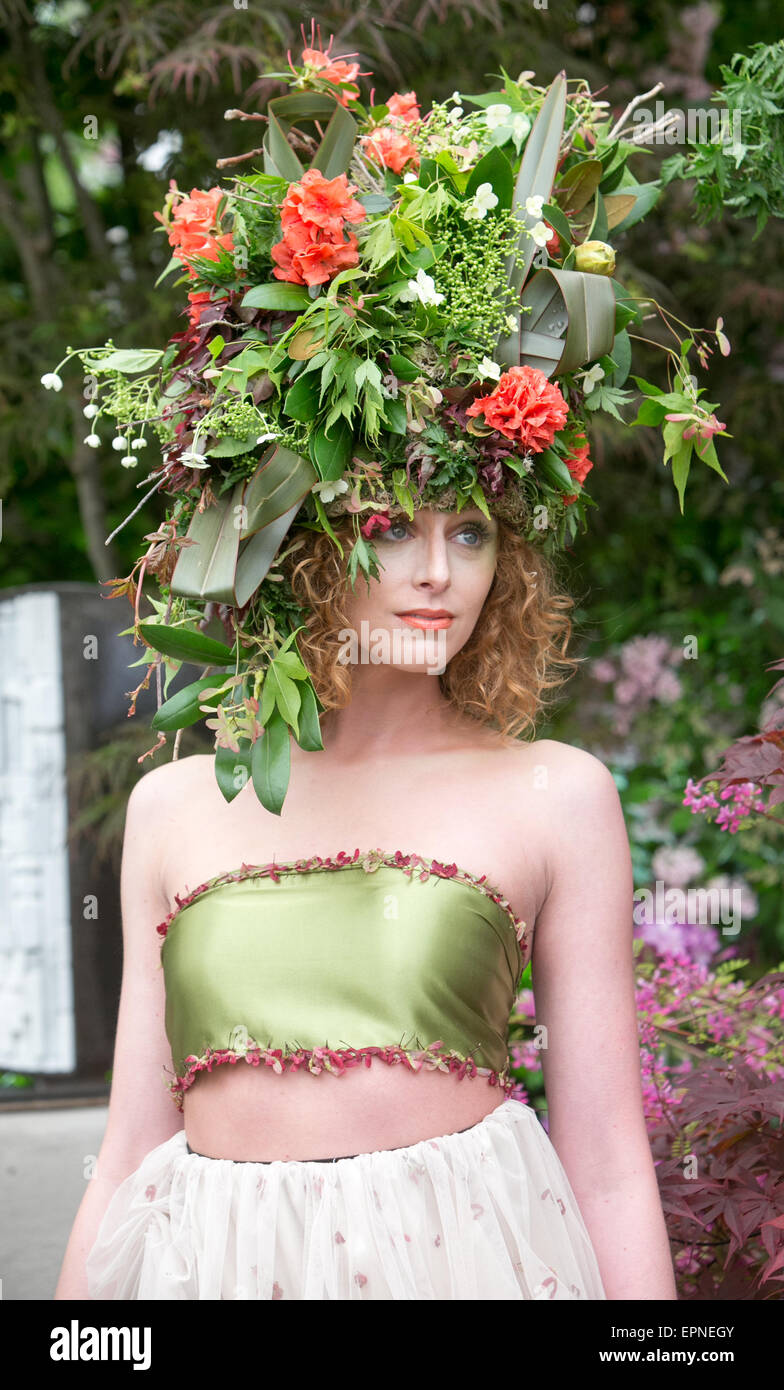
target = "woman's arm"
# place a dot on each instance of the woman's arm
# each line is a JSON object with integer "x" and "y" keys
{"x": 583, "y": 982}
{"x": 141, "y": 1111}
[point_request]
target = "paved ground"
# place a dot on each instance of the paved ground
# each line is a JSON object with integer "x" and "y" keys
{"x": 44, "y": 1158}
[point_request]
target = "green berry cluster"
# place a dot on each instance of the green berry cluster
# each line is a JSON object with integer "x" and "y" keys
{"x": 472, "y": 275}
{"x": 238, "y": 419}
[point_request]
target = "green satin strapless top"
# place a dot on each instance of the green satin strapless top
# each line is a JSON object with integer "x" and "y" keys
{"x": 328, "y": 963}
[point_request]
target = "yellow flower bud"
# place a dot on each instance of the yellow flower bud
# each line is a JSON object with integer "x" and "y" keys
{"x": 595, "y": 257}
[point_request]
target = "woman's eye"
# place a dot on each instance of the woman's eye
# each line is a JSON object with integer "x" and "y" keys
{"x": 396, "y": 526}
{"x": 476, "y": 533}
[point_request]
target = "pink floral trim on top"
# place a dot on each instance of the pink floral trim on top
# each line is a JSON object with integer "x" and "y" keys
{"x": 370, "y": 860}
{"x": 320, "y": 1059}
{"x": 337, "y": 1061}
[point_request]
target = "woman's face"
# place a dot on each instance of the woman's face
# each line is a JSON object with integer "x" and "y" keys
{"x": 436, "y": 572}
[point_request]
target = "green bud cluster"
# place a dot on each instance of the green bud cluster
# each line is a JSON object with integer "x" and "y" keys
{"x": 472, "y": 275}
{"x": 239, "y": 419}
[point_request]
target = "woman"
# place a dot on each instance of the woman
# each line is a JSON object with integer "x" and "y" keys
{"x": 385, "y": 1181}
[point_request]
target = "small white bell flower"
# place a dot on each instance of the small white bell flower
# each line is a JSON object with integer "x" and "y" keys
{"x": 139, "y": 443}
{"x": 328, "y": 491}
{"x": 120, "y": 442}
{"x": 482, "y": 201}
{"x": 52, "y": 381}
{"x": 90, "y": 411}
{"x": 489, "y": 370}
{"x": 541, "y": 233}
{"x": 422, "y": 288}
{"x": 497, "y": 115}
{"x": 93, "y": 440}
{"x": 129, "y": 461}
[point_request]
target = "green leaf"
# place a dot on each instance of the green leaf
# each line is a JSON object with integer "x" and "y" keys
{"x": 332, "y": 451}
{"x": 309, "y": 736}
{"x": 271, "y": 764}
{"x": 578, "y": 185}
{"x": 395, "y": 416}
{"x": 646, "y": 196}
{"x": 552, "y": 214}
{"x": 493, "y": 168}
{"x": 622, "y": 355}
{"x": 228, "y": 447}
{"x": 233, "y": 769}
{"x": 681, "y": 462}
{"x": 404, "y": 369}
{"x": 480, "y": 499}
{"x": 130, "y": 360}
{"x": 302, "y": 400}
{"x": 708, "y": 455}
{"x": 277, "y": 295}
{"x": 183, "y": 709}
{"x": 285, "y": 692}
{"x": 375, "y": 202}
{"x": 650, "y": 413}
{"x": 186, "y": 645}
{"x": 552, "y": 466}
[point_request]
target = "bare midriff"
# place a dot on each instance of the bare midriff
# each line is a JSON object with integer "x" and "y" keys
{"x": 250, "y": 1113}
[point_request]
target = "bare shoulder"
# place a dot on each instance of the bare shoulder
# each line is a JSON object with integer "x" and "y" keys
{"x": 569, "y": 772}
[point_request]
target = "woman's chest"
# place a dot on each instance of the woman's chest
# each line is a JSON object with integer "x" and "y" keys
{"x": 471, "y": 821}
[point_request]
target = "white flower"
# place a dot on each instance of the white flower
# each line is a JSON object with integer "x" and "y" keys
{"x": 489, "y": 370}
{"x": 90, "y": 411}
{"x": 592, "y": 377}
{"x": 93, "y": 440}
{"x": 410, "y": 177}
{"x": 497, "y": 115}
{"x": 193, "y": 460}
{"x": 129, "y": 461}
{"x": 520, "y": 126}
{"x": 52, "y": 381}
{"x": 455, "y": 97}
{"x": 533, "y": 205}
{"x": 422, "y": 288}
{"x": 541, "y": 233}
{"x": 265, "y": 438}
{"x": 329, "y": 491}
{"x": 119, "y": 442}
{"x": 455, "y": 114}
{"x": 511, "y": 322}
{"x": 482, "y": 201}
{"x": 139, "y": 443}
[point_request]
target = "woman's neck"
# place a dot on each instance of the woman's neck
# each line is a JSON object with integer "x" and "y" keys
{"x": 391, "y": 711}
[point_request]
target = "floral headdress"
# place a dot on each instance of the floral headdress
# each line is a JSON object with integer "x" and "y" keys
{"x": 398, "y": 311}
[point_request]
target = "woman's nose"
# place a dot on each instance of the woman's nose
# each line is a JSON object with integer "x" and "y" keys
{"x": 431, "y": 564}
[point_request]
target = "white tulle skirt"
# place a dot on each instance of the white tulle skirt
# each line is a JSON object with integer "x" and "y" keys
{"x": 483, "y": 1213}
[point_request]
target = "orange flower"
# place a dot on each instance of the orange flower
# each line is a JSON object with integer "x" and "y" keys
{"x": 334, "y": 70}
{"x": 524, "y": 407}
{"x": 313, "y": 217}
{"x": 198, "y": 300}
{"x": 327, "y": 203}
{"x": 390, "y": 148}
{"x": 404, "y": 106}
{"x": 191, "y": 225}
{"x": 314, "y": 262}
{"x": 579, "y": 466}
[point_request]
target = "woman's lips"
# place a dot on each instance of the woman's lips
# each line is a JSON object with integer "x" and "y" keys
{"x": 429, "y": 623}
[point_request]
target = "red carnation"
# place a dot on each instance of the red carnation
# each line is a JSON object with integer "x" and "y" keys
{"x": 524, "y": 407}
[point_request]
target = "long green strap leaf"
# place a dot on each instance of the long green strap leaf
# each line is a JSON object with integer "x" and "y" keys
{"x": 333, "y": 154}
{"x": 572, "y": 320}
{"x": 535, "y": 178}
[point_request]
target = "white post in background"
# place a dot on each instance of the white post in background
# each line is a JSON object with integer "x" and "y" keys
{"x": 37, "y": 1025}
